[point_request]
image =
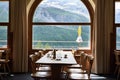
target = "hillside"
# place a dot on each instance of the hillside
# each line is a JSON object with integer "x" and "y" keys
{"x": 52, "y": 14}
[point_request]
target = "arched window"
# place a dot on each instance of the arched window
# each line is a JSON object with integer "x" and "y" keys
{"x": 62, "y": 24}
{"x": 117, "y": 23}
{"x": 4, "y": 23}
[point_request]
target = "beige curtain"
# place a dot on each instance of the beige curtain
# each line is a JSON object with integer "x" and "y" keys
{"x": 103, "y": 23}
{"x": 19, "y": 29}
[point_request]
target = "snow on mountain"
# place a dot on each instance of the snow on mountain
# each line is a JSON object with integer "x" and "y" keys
{"x": 76, "y": 6}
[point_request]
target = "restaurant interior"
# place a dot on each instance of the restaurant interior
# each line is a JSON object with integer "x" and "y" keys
{"x": 60, "y": 39}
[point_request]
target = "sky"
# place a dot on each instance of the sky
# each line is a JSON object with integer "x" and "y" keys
{"x": 117, "y": 5}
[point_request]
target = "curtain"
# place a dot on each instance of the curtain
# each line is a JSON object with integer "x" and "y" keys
{"x": 108, "y": 30}
{"x": 103, "y": 25}
{"x": 20, "y": 38}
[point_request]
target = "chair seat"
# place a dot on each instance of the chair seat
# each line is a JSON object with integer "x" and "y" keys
{"x": 4, "y": 61}
{"x": 45, "y": 65}
{"x": 75, "y": 66}
{"x": 76, "y": 76}
{"x": 43, "y": 68}
{"x": 75, "y": 70}
{"x": 41, "y": 75}
{"x": 5, "y": 64}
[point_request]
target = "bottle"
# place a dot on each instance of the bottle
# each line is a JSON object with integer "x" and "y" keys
{"x": 54, "y": 54}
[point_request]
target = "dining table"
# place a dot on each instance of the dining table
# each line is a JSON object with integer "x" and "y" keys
{"x": 63, "y": 58}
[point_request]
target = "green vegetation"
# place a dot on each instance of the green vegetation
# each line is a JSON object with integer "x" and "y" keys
{"x": 55, "y": 33}
{"x": 3, "y": 35}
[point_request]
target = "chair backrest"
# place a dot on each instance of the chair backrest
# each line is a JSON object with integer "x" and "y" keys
{"x": 41, "y": 53}
{"x": 38, "y": 55}
{"x": 83, "y": 60}
{"x": 1, "y": 52}
{"x": 86, "y": 61}
{"x": 7, "y": 54}
{"x": 90, "y": 60}
{"x": 32, "y": 62}
{"x": 74, "y": 52}
{"x": 117, "y": 56}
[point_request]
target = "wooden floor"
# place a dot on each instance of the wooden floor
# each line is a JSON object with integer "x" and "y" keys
{"x": 26, "y": 76}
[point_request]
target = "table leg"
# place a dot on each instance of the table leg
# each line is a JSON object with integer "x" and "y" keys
{"x": 56, "y": 71}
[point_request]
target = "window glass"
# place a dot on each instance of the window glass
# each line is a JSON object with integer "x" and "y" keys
{"x": 4, "y": 11}
{"x": 118, "y": 38}
{"x": 61, "y": 11}
{"x": 3, "y": 36}
{"x": 117, "y": 12}
{"x": 61, "y": 24}
{"x": 117, "y": 23}
{"x": 61, "y": 36}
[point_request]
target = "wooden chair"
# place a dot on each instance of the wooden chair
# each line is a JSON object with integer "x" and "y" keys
{"x": 38, "y": 74}
{"x": 5, "y": 61}
{"x": 39, "y": 54}
{"x": 78, "y": 65}
{"x": 41, "y": 67}
{"x": 117, "y": 57}
{"x": 90, "y": 63}
{"x": 82, "y": 72}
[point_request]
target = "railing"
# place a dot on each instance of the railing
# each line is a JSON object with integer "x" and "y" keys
{"x": 60, "y": 44}
{"x": 3, "y": 43}
{"x": 118, "y": 45}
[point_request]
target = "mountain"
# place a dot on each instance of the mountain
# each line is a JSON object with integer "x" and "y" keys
{"x": 4, "y": 13}
{"x": 53, "y": 14}
{"x": 75, "y": 8}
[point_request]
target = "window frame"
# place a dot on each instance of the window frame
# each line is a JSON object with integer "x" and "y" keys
{"x": 116, "y": 25}
{"x": 30, "y": 21}
{"x": 8, "y": 27}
